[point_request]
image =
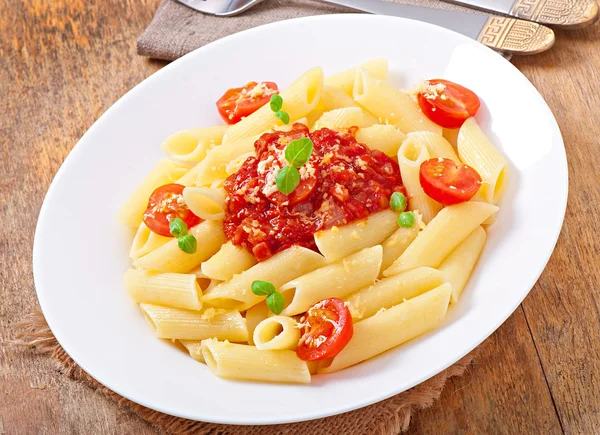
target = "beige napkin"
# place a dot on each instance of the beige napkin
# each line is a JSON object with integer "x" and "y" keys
{"x": 177, "y": 29}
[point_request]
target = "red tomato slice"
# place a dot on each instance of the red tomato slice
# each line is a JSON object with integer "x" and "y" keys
{"x": 327, "y": 329}
{"x": 448, "y": 104}
{"x": 166, "y": 203}
{"x": 448, "y": 182}
{"x": 238, "y": 103}
{"x": 303, "y": 191}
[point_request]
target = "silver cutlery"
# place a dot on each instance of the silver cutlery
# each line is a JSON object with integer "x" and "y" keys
{"x": 563, "y": 13}
{"x": 508, "y": 35}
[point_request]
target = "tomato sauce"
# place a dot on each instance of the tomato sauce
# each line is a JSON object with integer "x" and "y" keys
{"x": 342, "y": 182}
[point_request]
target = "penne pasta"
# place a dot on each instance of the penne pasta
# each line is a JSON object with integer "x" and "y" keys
{"x": 390, "y": 328}
{"x": 179, "y": 324}
{"x": 238, "y": 361}
{"x": 390, "y": 105}
{"x": 385, "y": 138}
{"x": 194, "y": 348}
{"x": 334, "y": 98}
{"x": 450, "y": 227}
{"x": 476, "y": 150}
{"x": 345, "y": 118}
{"x": 437, "y": 146}
{"x": 277, "y": 332}
{"x": 229, "y": 261}
{"x": 169, "y": 258}
{"x": 299, "y": 99}
{"x": 214, "y": 166}
{"x": 145, "y": 241}
{"x": 396, "y": 244}
{"x": 344, "y": 80}
{"x": 255, "y": 315}
{"x": 458, "y": 266}
{"x": 207, "y": 203}
{"x": 192, "y": 145}
{"x": 337, "y": 243}
{"x": 165, "y": 172}
{"x": 279, "y": 269}
{"x": 175, "y": 290}
{"x": 392, "y": 291}
{"x": 410, "y": 157}
{"x": 335, "y": 280}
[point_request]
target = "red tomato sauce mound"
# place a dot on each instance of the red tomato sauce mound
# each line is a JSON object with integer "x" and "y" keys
{"x": 342, "y": 182}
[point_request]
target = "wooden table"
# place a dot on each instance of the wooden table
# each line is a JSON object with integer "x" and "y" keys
{"x": 64, "y": 62}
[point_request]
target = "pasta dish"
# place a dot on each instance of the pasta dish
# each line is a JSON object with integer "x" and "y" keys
{"x": 321, "y": 226}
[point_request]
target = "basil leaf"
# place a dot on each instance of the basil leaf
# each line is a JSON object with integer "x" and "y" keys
{"x": 276, "y": 102}
{"x": 262, "y": 288}
{"x": 178, "y": 228}
{"x": 298, "y": 151}
{"x": 287, "y": 180}
{"x": 187, "y": 244}
{"x": 285, "y": 118}
{"x": 276, "y": 302}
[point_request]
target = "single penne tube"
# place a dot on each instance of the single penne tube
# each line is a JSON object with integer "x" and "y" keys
{"x": 169, "y": 258}
{"x": 255, "y": 315}
{"x": 437, "y": 145}
{"x": 191, "y": 145}
{"x": 179, "y": 324}
{"x": 390, "y": 105}
{"x": 299, "y": 99}
{"x": 450, "y": 227}
{"x": 385, "y": 138}
{"x": 145, "y": 241}
{"x": 339, "y": 119}
{"x": 238, "y": 361}
{"x": 392, "y": 291}
{"x": 396, "y": 244}
{"x": 207, "y": 203}
{"x": 477, "y": 151}
{"x": 229, "y": 261}
{"x": 459, "y": 265}
{"x": 411, "y": 155}
{"x": 339, "y": 242}
{"x": 332, "y": 281}
{"x": 235, "y": 165}
{"x": 451, "y": 135}
{"x": 335, "y": 98}
{"x": 276, "y": 332}
{"x": 165, "y": 172}
{"x": 344, "y": 80}
{"x": 392, "y": 327}
{"x": 177, "y": 290}
{"x": 279, "y": 269}
{"x": 194, "y": 348}
{"x": 214, "y": 166}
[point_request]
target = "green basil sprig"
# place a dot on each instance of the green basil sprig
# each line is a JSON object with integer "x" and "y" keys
{"x": 276, "y": 105}
{"x": 186, "y": 242}
{"x": 275, "y": 301}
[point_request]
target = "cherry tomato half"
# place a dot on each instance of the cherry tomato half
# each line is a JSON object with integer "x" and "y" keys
{"x": 303, "y": 191}
{"x": 327, "y": 329}
{"x": 448, "y": 104}
{"x": 237, "y": 103}
{"x": 166, "y": 203}
{"x": 448, "y": 182}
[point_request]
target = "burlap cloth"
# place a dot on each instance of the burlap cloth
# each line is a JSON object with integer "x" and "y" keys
{"x": 175, "y": 31}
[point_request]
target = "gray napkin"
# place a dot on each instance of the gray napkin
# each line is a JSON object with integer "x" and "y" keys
{"x": 177, "y": 29}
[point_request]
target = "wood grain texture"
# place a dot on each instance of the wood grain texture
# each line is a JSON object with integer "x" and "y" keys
{"x": 64, "y": 62}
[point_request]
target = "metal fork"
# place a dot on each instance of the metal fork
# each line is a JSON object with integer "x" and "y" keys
{"x": 222, "y": 8}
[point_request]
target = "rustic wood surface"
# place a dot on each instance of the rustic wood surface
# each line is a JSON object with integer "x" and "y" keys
{"x": 64, "y": 62}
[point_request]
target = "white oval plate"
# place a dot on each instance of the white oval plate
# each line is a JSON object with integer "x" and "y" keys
{"x": 81, "y": 252}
